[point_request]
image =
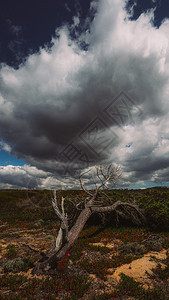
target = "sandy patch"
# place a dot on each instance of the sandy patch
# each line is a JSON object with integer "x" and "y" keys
{"x": 105, "y": 243}
{"x": 3, "y": 245}
{"x": 139, "y": 268}
{"x": 29, "y": 275}
{"x": 93, "y": 277}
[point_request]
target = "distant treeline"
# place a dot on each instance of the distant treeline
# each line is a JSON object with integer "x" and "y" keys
{"x": 28, "y": 204}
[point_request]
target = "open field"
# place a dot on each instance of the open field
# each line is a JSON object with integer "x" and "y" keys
{"x": 108, "y": 261}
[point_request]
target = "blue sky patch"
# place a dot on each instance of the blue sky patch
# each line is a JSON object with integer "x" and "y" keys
{"x": 8, "y": 159}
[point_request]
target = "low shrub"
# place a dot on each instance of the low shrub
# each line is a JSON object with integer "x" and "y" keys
{"x": 50, "y": 237}
{"x": 128, "y": 286}
{"x": 133, "y": 248}
{"x": 153, "y": 245}
{"x": 14, "y": 265}
{"x": 13, "y": 282}
{"x": 38, "y": 223}
{"x": 162, "y": 274}
{"x": 18, "y": 264}
{"x": 21, "y": 287}
{"x": 11, "y": 251}
{"x": 100, "y": 267}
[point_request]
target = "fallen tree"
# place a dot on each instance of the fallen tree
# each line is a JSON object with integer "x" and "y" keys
{"x": 92, "y": 203}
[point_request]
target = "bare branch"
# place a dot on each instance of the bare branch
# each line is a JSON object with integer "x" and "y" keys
{"x": 102, "y": 172}
{"x": 116, "y": 206}
{"x": 58, "y": 239}
{"x": 55, "y": 206}
{"x": 98, "y": 175}
{"x": 94, "y": 181}
{"x": 81, "y": 184}
{"x": 81, "y": 202}
{"x": 62, "y": 206}
{"x": 109, "y": 174}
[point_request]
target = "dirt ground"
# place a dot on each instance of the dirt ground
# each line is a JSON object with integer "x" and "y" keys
{"x": 30, "y": 242}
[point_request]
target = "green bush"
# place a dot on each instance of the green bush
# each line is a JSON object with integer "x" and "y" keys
{"x": 128, "y": 286}
{"x": 14, "y": 265}
{"x": 155, "y": 203}
{"x": 18, "y": 264}
{"x": 133, "y": 248}
{"x": 153, "y": 245}
{"x": 38, "y": 224}
{"x": 50, "y": 237}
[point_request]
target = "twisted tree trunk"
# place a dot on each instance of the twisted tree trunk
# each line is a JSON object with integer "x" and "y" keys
{"x": 55, "y": 254}
{"x": 64, "y": 243}
{"x": 66, "y": 238}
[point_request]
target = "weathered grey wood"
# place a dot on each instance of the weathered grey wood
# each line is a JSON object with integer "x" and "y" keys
{"x": 66, "y": 238}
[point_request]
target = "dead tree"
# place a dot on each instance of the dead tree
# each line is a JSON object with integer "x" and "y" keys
{"x": 66, "y": 237}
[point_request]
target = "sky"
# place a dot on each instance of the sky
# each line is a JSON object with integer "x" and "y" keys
{"x": 83, "y": 84}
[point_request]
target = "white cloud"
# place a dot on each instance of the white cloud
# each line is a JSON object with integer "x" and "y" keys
{"x": 58, "y": 91}
{"x": 21, "y": 176}
{"x": 31, "y": 178}
{"x": 5, "y": 147}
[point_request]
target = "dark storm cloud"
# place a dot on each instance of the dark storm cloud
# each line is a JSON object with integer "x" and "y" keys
{"x": 14, "y": 29}
{"x": 64, "y": 108}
